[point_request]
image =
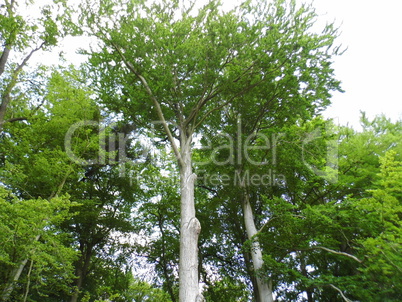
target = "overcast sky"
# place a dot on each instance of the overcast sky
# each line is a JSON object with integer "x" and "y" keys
{"x": 370, "y": 70}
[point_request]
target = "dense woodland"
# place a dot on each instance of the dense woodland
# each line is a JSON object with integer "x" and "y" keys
{"x": 187, "y": 159}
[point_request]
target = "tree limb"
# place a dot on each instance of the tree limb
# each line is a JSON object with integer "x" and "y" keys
{"x": 342, "y": 294}
{"x": 3, "y": 59}
{"x": 337, "y": 253}
{"x": 154, "y": 100}
{"x": 24, "y": 62}
{"x": 7, "y": 48}
{"x": 6, "y": 97}
{"x": 16, "y": 119}
{"x": 201, "y": 103}
{"x": 390, "y": 261}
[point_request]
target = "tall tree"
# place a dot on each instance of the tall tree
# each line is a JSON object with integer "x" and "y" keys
{"x": 175, "y": 68}
{"x": 318, "y": 227}
{"x": 33, "y": 253}
{"x": 46, "y": 157}
{"x": 22, "y": 36}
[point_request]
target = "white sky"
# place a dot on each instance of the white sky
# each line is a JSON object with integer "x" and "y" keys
{"x": 370, "y": 70}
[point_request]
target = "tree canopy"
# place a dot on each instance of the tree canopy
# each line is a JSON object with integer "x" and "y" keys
{"x": 187, "y": 159}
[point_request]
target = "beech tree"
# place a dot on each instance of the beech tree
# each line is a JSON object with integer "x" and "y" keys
{"x": 37, "y": 256}
{"x": 37, "y": 167}
{"x": 229, "y": 102}
{"x": 176, "y": 68}
{"x": 26, "y": 28}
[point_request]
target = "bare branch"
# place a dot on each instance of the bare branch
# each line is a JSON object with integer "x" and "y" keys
{"x": 342, "y": 294}
{"x": 25, "y": 61}
{"x": 338, "y": 253}
{"x": 16, "y": 119}
{"x": 201, "y": 103}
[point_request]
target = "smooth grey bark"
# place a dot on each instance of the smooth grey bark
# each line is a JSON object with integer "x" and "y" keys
{"x": 4, "y": 58}
{"x": 14, "y": 277}
{"x": 190, "y": 228}
{"x": 264, "y": 286}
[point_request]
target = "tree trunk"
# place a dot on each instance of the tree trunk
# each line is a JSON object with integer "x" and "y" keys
{"x": 14, "y": 277}
{"x": 264, "y": 286}
{"x": 82, "y": 271}
{"x": 16, "y": 273}
{"x": 5, "y": 100}
{"x": 250, "y": 271}
{"x": 190, "y": 229}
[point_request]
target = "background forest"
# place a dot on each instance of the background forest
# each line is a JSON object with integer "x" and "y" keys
{"x": 187, "y": 159}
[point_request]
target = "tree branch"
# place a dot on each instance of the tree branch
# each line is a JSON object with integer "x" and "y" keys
{"x": 7, "y": 48}
{"x": 24, "y": 62}
{"x": 343, "y": 296}
{"x": 337, "y": 253}
{"x": 16, "y": 119}
{"x": 3, "y": 59}
{"x": 209, "y": 189}
{"x": 154, "y": 100}
{"x": 225, "y": 103}
{"x": 6, "y": 97}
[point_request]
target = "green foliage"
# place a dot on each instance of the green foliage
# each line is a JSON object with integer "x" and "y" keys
{"x": 30, "y": 232}
{"x": 226, "y": 290}
{"x": 19, "y": 32}
{"x": 383, "y": 211}
{"x": 190, "y": 57}
{"x": 79, "y": 223}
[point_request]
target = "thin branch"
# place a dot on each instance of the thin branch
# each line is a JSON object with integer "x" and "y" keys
{"x": 212, "y": 93}
{"x": 62, "y": 183}
{"x": 24, "y": 62}
{"x": 7, "y": 48}
{"x": 194, "y": 113}
{"x": 343, "y": 296}
{"x": 6, "y": 97}
{"x": 276, "y": 217}
{"x": 29, "y": 281}
{"x": 209, "y": 189}
{"x": 337, "y": 253}
{"x": 16, "y": 119}
{"x": 225, "y": 103}
{"x": 154, "y": 100}
{"x": 212, "y": 110}
{"x": 390, "y": 261}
